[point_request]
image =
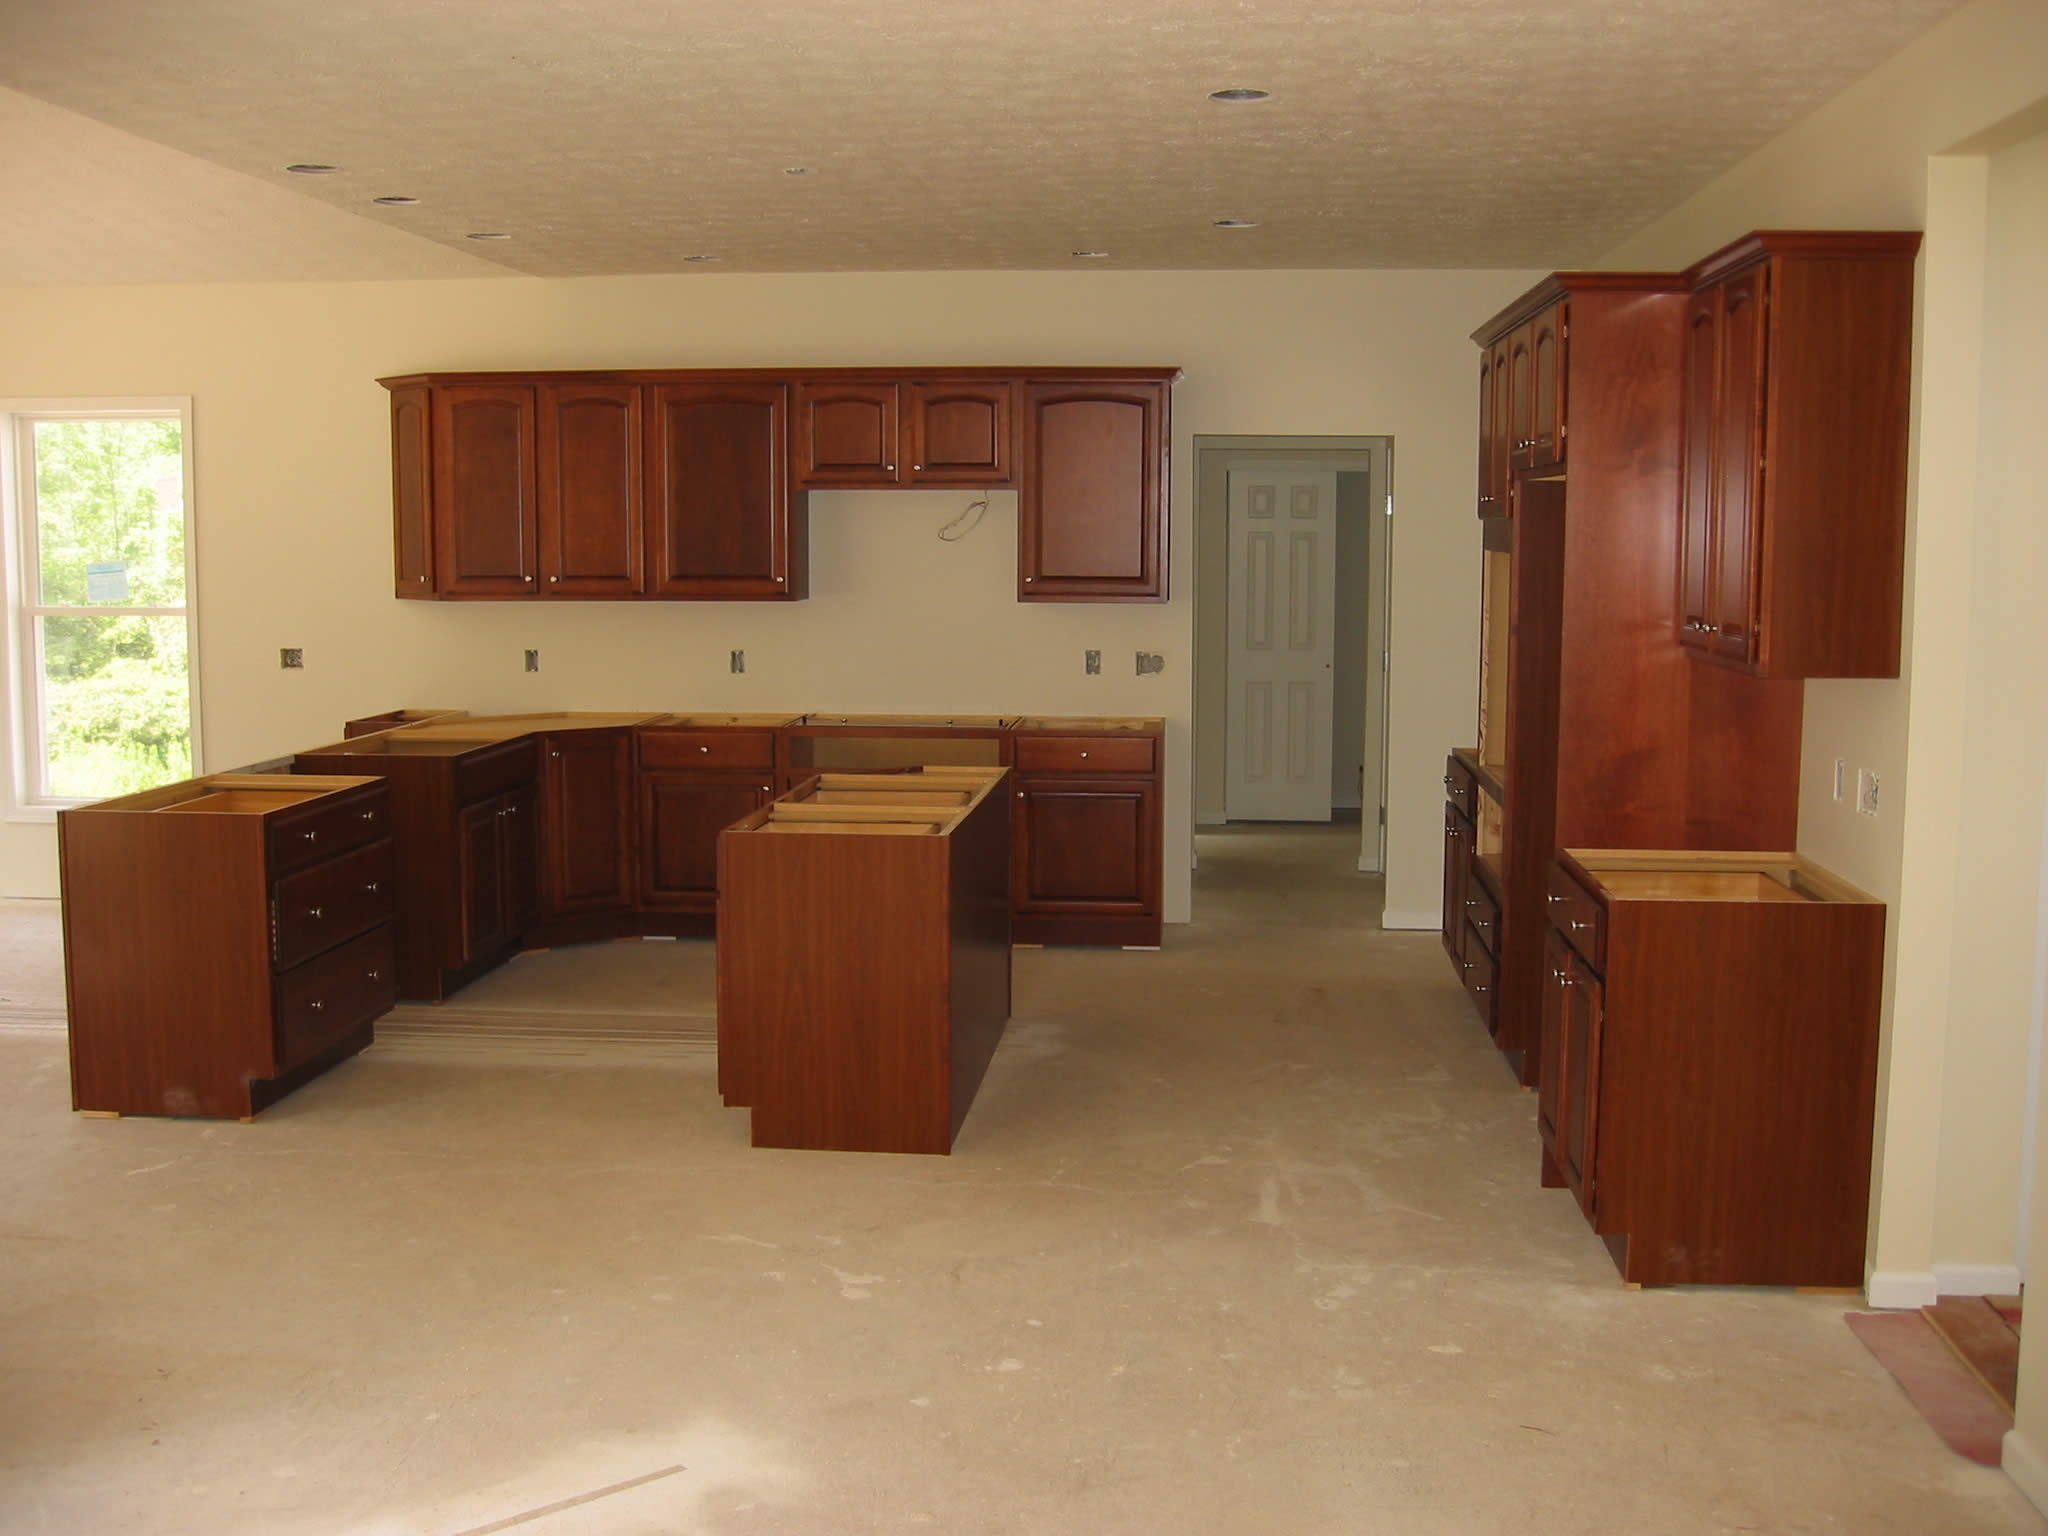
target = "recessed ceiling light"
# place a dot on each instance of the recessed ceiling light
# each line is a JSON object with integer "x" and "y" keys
{"x": 1237, "y": 223}
{"x": 312, "y": 170}
{"x": 490, "y": 235}
{"x": 1240, "y": 93}
{"x": 797, "y": 170}
{"x": 702, "y": 258}
{"x": 395, "y": 202}
{"x": 1090, "y": 255}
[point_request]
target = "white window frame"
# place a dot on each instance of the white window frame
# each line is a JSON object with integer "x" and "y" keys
{"x": 18, "y": 561}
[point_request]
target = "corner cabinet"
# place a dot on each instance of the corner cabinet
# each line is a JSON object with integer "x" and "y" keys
{"x": 1797, "y": 379}
{"x": 1090, "y": 522}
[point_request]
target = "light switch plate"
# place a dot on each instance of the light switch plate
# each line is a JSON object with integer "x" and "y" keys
{"x": 533, "y": 661}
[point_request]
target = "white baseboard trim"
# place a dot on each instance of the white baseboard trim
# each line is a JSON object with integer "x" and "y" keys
{"x": 1900, "y": 1290}
{"x": 2025, "y": 1466}
{"x": 1211, "y": 819}
{"x": 1368, "y": 865}
{"x": 1977, "y": 1279}
{"x": 1430, "y": 919}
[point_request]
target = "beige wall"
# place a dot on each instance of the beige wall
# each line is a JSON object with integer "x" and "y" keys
{"x": 293, "y": 498}
{"x": 1956, "y": 851}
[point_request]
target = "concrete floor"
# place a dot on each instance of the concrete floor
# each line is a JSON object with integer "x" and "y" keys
{"x": 1241, "y": 1237}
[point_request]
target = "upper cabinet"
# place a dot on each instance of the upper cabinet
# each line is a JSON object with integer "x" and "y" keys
{"x": 720, "y": 518}
{"x": 679, "y": 484}
{"x": 1522, "y": 369}
{"x": 1091, "y": 521}
{"x": 1792, "y": 534}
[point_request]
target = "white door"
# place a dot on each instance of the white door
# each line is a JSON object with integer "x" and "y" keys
{"x": 1283, "y": 600}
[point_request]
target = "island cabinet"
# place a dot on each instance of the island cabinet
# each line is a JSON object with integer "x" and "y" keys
{"x": 1090, "y": 519}
{"x": 864, "y": 958}
{"x": 1709, "y": 1080}
{"x": 861, "y": 430}
{"x": 1797, "y": 378}
{"x": 721, "y": 518}
{"x": 1085, "y": 829}
{"x": 226, "y": 939}
{"x": 695, "y": 776}
{"x": 587, "y": 830}
{"x": 463, "y": 808}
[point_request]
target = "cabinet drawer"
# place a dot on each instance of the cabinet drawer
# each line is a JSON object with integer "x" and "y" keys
{"x": 1461, "y": 787}
{"x": 327, "y": 827}
{"x": 1577, "y": 914}
{"x": 494, "y": 770}
{"x": 317, "y": 908}
{"x": 329, "y": 998}
{"x": 1480, "y": 972}
{"x": 707, "y": 749}
{"x": 1482, "y": 914}
{"x": 1085, "y": 754}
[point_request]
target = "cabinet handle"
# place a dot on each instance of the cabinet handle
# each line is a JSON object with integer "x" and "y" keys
{"x": 1029, "y": 579}
{"x": 312, "y": 911}
{"x": 917, "y": 466}
{"x": 1479, "y": 986}
{"x": 316, "y": 1005}
{"x": 375, "y": 975}
{"x": 311, "y": 837}
{"x": 1084, "y": 756}
{"x": 1579, "y": 926}
{"x": 1553, "y": 898}
{"x": 555, "y": 755}
{"x": 371, "y": 887}
{"x": 781, "y": 579}
{"x": 703, "y": 749}
{"x": 553, "y": 579}
{"x": 891, "y": 468}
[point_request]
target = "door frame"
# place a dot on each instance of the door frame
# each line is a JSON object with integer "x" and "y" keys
{"x": 1214, "y": 454}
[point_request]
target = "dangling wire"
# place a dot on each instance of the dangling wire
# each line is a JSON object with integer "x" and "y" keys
{"x": 978, "y": 508}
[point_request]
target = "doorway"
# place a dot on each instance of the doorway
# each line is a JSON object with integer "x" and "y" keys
{"x": 1354, "y": 742}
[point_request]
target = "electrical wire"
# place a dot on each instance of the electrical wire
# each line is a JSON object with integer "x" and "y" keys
{"x": 978, "y": 508}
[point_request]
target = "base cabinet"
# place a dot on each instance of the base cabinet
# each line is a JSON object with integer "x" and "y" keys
{"x": 586, "y": 836}
{"x": 495, "y": 875}
{"x": 1085, "y": 835}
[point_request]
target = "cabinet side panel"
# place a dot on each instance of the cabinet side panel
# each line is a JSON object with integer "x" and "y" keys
{"x": 167, "y": 961}
{"x": 411, "y": 485}
{"x": 979, "y": 984}
{"x": 1742, "y": 778}
{"x": 1835, "y": 482}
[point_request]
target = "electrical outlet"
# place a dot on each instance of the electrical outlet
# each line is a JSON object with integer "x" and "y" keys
{"x": 1866, "y": 792}
{"x": 739, "y": 661}
{"x": 291, "y": 656}
{"x": 533, "y": 661}
{"x": 1091, "y": 662}
{"x": 1149, "y": 661}
{"x": 1841, "y": 777}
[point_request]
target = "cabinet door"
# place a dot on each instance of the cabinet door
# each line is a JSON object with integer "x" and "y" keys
{"x": 590, "y": 484}
{"x": 412, "y": 492}
{"x": 1488, "y": 506}
{"x": 1548, "y": 335}
{"x": 1696, "y": 532}
{"x": 681, "y": 815}
{"x": 1457, "y": 857}
{"x": 1579, "y": 1108}
{"x": 721, "y": 519}
{"x": 1557, "y": 983}
{"x": 1521, "y": 396}
{"x": 959, "y": 434}
{"x": 519, "y": 861}
{"x": 586, "y": 777}
{"x": 1091, "y": 519}
{"x": 486, "y": 536}
{"x": 1738, "y": 467}
{"x": 1085, "y": 845}
{"x": 1500, "y": 430}
{"x": 483, "y": 923}
{"x": 846, "y": 434}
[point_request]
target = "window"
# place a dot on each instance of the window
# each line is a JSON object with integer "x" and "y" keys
{"x": 99, "y": 595}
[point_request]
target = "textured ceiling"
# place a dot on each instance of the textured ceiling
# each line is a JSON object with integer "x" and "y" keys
{"x": 625, "y": 136}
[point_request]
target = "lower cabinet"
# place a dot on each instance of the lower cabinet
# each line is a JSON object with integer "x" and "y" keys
{"x": 586, "y": 822}
{"x": 226, "y": 939}
{"x": 1709, "y": 1063}
{"x": 681, "y": 815}
{"x": 495, "y": 857}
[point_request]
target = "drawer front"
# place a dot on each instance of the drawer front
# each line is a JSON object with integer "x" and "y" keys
{"x": 493, "y": 770}
{"x": 329, "y": 998}
{"x": 317, "y": 908}
{"x": 1460, "y": 786}
{"x": 1086, "y": 754}
{"x": 707, "y": 749}
{"x": 1482, "y": 915}
{"x": 323, "y": 828}
{"x": 1480, "y": 972}
{"x": 1577, "y": 913}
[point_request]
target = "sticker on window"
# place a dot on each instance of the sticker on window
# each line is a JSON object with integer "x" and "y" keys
{"x": 107, "y": 582}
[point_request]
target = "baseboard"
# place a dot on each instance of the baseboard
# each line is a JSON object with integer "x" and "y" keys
{"x": 1977, "y": 1279}
{"x": 1368, "y": 865}
{"x": 1900, "y": 1290}
{"x": 1414, "y": 919}
{"x": 2025, "y": 1466}
{"x": 1211, "y": 819}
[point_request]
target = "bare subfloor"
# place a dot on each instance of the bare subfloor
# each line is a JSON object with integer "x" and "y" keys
{"x": 1244, "y": 1236}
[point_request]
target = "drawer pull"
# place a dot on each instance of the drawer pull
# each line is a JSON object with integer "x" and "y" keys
{"x": 1579, "y": 925}
{"x": 312, "y": 911}
{"x": 369, "y": 815}
{"x": 375, "y": 975}
{"x": 311, "y": 837}
{"x": 370, "y": 887}
{"x": 1084, "y": 756}
{"x": 316, "y": 1005}
{"x": 703, "y": 749}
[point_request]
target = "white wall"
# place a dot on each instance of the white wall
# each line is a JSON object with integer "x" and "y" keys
{"x": 292, "y": 462}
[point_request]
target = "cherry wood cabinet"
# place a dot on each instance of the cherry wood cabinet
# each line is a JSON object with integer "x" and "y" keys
{"x": 721, "y": 520}
{"x": 412, "y": 490}
{"x": 590, "y": 487}
{"x": 693, "y": 782}
{"x": 958, "y": 431}
{"x": 1496, "y": 434}
{"x": 1797, "y": 378}
{"x": 1090, "y": 523}
{"x": 1710, "y": 1062}
{"x": 587, "y": 822}
{"x": 494, "y": 859}
{"x": 486, "y": 521}
{"x": 1085, "y": 829}
{"x": 847, "y": 432}
{"x": 226, "y": 939}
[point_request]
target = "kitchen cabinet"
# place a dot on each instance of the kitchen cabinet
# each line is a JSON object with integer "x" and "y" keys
{"x": 694, "y": 780}
{"x": 1496, "y": 435}
{"x": 495, "y": 856}
{"x": 1797, "y": 378}
{"x": 1710, "y": 1062}
{"x": 1091, "y": 523}
{"x": 848, "y": 433}
{"x": 485, "y": 517}
{"x": 590, "y": 486}
{"x": 587, "y": 823}
{"x": 959, "y": 431}
{"x": 721, "y": 518}
{"x": 1085, "y": 827}
{"x": 226, "y": 939}
{"x": 412, "y": 490}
